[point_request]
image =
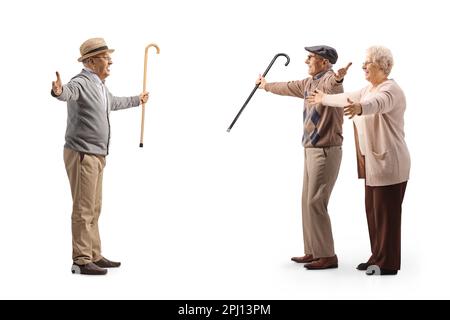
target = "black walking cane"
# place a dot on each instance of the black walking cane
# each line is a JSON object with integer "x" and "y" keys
{"x": 256, "y": 87}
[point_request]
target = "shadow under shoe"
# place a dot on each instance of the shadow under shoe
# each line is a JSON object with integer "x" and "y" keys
{"x": 105, "y": 263}
{"x": 323, "y": 263}
{"x": 307, "y": 258}
{"x": 88, "y": 269}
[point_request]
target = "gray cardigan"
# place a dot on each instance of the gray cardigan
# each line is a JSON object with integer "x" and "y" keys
{"x": 88, "y": 128}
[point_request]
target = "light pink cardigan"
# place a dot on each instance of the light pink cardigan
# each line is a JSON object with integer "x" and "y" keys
{"x": 383, "y": 157}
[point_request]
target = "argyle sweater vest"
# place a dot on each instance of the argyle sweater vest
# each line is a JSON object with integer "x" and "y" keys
{"x": 322, "y": 125}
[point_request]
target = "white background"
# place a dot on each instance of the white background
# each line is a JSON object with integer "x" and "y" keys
{"x": 200, "y": 213}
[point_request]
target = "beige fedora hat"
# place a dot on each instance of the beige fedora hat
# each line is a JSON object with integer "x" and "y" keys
{"x": 92, "y": 47}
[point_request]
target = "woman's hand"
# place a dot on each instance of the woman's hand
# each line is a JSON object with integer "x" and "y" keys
{"x": 353, "y": 109}
{"x": 315, "y": 97}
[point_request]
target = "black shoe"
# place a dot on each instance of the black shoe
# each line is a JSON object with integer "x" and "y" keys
{"x": 363, "y": 266}
{"x": 376, "y": 270}
{"x": 88, "y": 269}
{"x": 385, "y": 272}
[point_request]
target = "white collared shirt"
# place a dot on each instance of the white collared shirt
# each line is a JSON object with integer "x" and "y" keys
{"x": 100, "y": 85}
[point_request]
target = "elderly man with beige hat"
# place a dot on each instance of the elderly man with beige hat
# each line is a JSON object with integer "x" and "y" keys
{"x": 89, "y": 103}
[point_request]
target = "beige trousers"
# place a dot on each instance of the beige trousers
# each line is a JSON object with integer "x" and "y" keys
{"x": 85, "y": 172}
{"x": 320, "y": 174}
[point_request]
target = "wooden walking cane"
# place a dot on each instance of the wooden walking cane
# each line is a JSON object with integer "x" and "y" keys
{"x": 145, "y": 89}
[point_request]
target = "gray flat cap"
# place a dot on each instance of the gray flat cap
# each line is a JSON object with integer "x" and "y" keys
{"x": 326, "y": 52}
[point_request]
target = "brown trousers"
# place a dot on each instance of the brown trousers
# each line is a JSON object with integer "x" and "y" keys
{"x": 321, "y": 168}
{"x": 85, "y": 172}
{"x": 384, "y": 212}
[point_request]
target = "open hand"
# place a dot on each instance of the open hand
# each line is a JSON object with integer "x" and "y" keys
{"x": 57, "y": 85}
{"x": 353, "y": 109}
{"x": 315, "y": 97}
{"x": 342, "y": 72}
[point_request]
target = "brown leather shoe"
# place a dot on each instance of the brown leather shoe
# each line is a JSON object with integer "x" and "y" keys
{"x": 89, "y": 269}
{"x": 323, "y": 263}
{"x": 305, "y": 259}
{"x": 105, "y": 263}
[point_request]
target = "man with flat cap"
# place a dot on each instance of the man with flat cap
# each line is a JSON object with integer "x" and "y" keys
{"x": 322, "y": 141}
{"x": 89, "y": 103}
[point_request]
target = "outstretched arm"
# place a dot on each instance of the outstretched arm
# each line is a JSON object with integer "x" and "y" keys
{"x": 333, "y": 100}
{"x": 67, "y": 92}
{"x": 381, "y": 102}
{"x": 57, "y": 86}
{"x": 119, "y": 103}
{"x": 291, "y": 88}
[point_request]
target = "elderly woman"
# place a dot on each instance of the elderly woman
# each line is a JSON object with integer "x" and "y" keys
{"x": 382, "y": 155}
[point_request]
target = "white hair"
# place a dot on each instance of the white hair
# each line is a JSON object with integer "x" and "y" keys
{"x": 382, "y": 56}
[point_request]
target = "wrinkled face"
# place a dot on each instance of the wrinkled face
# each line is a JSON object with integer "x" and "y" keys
{"x": 371, "y": 70}
{"x": 100, "y": 65}
{"x": 316, "y": 64}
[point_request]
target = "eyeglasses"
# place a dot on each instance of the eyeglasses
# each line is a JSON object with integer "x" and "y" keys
{"x": 310, "y": 56}
{"x": 366, "y": 63}
{"x": 109, "y": 59}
